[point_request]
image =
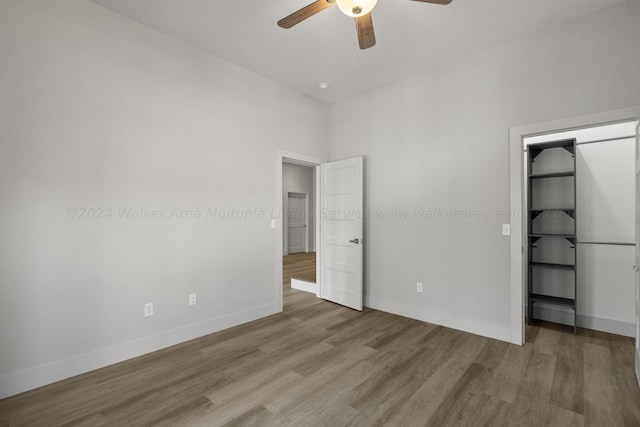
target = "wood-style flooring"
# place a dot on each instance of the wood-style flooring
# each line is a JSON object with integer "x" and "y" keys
{"x": 300, "y": 266}
{"x": 320, "y": 364}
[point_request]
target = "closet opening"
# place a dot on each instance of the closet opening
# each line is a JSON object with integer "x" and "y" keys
{"x": 579, "y": 227}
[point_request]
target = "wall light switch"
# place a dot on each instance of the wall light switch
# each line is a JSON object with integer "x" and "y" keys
{"x": 274, "y": 223}
{"x": 418, "y": 287}
{"x": 506, "y": 229}
{"x": 148, "y": 309}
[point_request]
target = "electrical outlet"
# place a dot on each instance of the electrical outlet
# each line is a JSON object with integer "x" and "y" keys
{"x": 506, "y": 229}
{"x": 148, "y": 309}
{"x": 192, "y": 299}
{"x": 418, "y": 287}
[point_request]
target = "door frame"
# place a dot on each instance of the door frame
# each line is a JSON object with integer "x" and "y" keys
{"x": 517, "y": 202}
{"x": 285, "y": 217}
{"x": 278, "y": 215}
{"x": 636, "y": 347}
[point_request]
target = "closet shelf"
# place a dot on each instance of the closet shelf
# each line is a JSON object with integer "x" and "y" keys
{"x": 535, "y": 213}
{"x": 563, "y": 143}
{"x": 552, "y": 175}
{"x": 566, "y": 302}
{"x": 553, "y": 265}
{"x": 564, "y": 236}
{"x": 552, "y": 209}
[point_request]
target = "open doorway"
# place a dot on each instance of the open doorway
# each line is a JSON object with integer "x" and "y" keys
{"x": 299, "y": 261}
{"x": 339, "y": 195}
{"x": 588, "y": 240}
{"x": 597, "y": 224}
{"x": 299, "y": 264}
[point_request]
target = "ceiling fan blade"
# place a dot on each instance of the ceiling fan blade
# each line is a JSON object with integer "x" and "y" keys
{"x": 364, "y": 27}
{"x": 444, "y": 2}
{"x": 304, "y": 13}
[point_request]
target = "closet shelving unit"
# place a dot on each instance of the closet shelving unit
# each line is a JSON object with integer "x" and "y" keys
{"x": 556, "y": 293}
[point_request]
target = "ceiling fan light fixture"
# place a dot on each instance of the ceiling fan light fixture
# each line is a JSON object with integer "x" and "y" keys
{"x": 355, "y": 8}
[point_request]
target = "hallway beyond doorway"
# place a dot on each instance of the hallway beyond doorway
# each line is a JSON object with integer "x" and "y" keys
{"x": 300, "y": 266}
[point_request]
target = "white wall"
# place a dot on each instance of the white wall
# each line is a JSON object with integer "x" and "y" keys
{"x": 99, "y": 112}
{"x": 606, "y": 190}
{"x": 437, "y": 150}
{"x": 300, "y": 179}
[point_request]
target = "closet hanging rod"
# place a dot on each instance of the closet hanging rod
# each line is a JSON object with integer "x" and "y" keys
{"x": 596, "y": 141}
{"x": 607, "y": 243}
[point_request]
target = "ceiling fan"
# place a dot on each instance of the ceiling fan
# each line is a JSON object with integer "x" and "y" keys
{"x": 358, "y": 9}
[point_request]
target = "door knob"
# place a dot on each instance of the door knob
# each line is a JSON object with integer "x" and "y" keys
{"x": 356, "y": 241}
{"x": 636, "y": 269}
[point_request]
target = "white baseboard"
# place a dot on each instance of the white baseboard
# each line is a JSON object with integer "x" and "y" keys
{"x": 301, "y": 285}
{"x": 486, "y": 329}
{"x": 611, "y": 326}
{"x": 29, "y": 379}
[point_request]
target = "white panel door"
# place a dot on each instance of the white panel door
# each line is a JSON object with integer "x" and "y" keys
{"x": 296, "y": 223}
{"x": 341, "y": 228}
{"x": 637, "y": 266}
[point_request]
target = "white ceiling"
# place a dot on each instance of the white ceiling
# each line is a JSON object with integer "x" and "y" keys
{"x": 411, "y": 36}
